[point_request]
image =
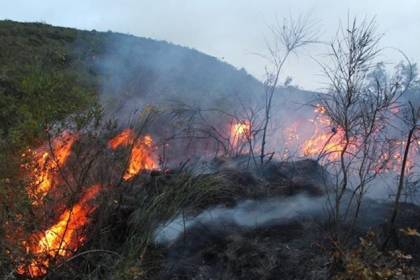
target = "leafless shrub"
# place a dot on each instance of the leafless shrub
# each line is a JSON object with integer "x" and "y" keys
{"x": 288, "y": 38}
{"x": 359, "y": 108}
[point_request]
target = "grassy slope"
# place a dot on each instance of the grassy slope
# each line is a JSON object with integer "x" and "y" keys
{"x": 42, "y": 78}
{"x": 48, "y": 72}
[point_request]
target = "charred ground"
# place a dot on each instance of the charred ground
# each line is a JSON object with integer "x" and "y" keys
{"x": 231, "y": 223}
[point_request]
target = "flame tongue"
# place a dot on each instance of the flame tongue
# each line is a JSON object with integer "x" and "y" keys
{"x": 65, "y": 235}
{"x": 239, "y": 131}
{"x": 124, "y": 138}
{"x": 142, "y": 155}
{"x": 329, "y": 143}
{"x": 62, "y": 238}
{"x": 141, "y": 158}
{"x": 47, "y": 163}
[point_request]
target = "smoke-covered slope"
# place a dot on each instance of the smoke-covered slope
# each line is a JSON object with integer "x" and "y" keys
{"x": 139, "y": 66}
{"x": 35, "y": 57}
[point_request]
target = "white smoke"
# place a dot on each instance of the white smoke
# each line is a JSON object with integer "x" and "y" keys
{"x": 248, "y": 213}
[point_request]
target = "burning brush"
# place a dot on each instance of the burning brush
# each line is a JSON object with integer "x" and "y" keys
{"x": 66, "y": 234}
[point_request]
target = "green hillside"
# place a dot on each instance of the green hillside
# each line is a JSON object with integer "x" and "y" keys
{"x": 49, "y": 72}
{"x": 43, "y": 78}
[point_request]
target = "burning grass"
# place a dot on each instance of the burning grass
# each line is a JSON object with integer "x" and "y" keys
{"x": 138, "y": 212}
{"x": 139, "y": 197}
{"x": 61, "y": 239}
{"x": 48, "y": 160}
{"x": 240, "y": 132}
{"x": 142, "y": 155}
{"x": 121, "y": 243}
{"x": 61, "y": 232}
{"x": 141, "y": 203}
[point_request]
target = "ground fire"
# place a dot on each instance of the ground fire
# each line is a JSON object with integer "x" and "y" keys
{"x": 62, "y": 239}
{"x": 326, "y": 139}
{"x": 240, "y": 132}
{"x": 66, "y": 234}
{"x": 318, "y": 138}
{"x": 48, "y": 160}
{"x": 142, "y": 156}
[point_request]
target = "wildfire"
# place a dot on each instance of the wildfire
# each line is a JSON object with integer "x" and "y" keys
{"x": 47, "y": 162}
{"x": 123, "y": 139}
{"x": 142, "y": 155}
{"x": 329, "y": 141}
{"x": 239, "y": 131}
{"x": 325, "y": 140}
{"x": 61, "y": 239}
{"x": 394, "y": 160}
{"x": 65, "y": 235}
{"x": 326, "y": 143}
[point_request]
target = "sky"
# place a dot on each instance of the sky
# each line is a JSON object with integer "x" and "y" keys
{"x": 235, "y": 31}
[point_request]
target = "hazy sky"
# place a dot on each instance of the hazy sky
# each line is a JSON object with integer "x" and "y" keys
{"x": 232, "y": 30}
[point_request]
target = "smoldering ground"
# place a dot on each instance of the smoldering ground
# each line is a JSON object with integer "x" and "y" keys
{"x": 248, "y": 214}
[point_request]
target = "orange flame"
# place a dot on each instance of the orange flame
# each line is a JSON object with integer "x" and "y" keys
{"x": 323, "y": 142}
{"x": 329, "y": 144}
{"x": 65, "y": 236}
{"x": 123, "y": 139}
{"x": 47, "y": 163}
{"x": 142, "y": 156}
{"x": 239, "y": 131}
{"x": 320, "y": 109}
{"x": 61, "y": 239}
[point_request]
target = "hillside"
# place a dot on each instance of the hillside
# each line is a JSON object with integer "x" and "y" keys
{"x": 71, "y": 66}
{"x": 129, "y": 158}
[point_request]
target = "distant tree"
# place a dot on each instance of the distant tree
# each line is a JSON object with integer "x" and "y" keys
{"x": 288, "y": 37}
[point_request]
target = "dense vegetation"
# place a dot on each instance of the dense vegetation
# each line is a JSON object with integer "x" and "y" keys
{"x": 43, "y": 79}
